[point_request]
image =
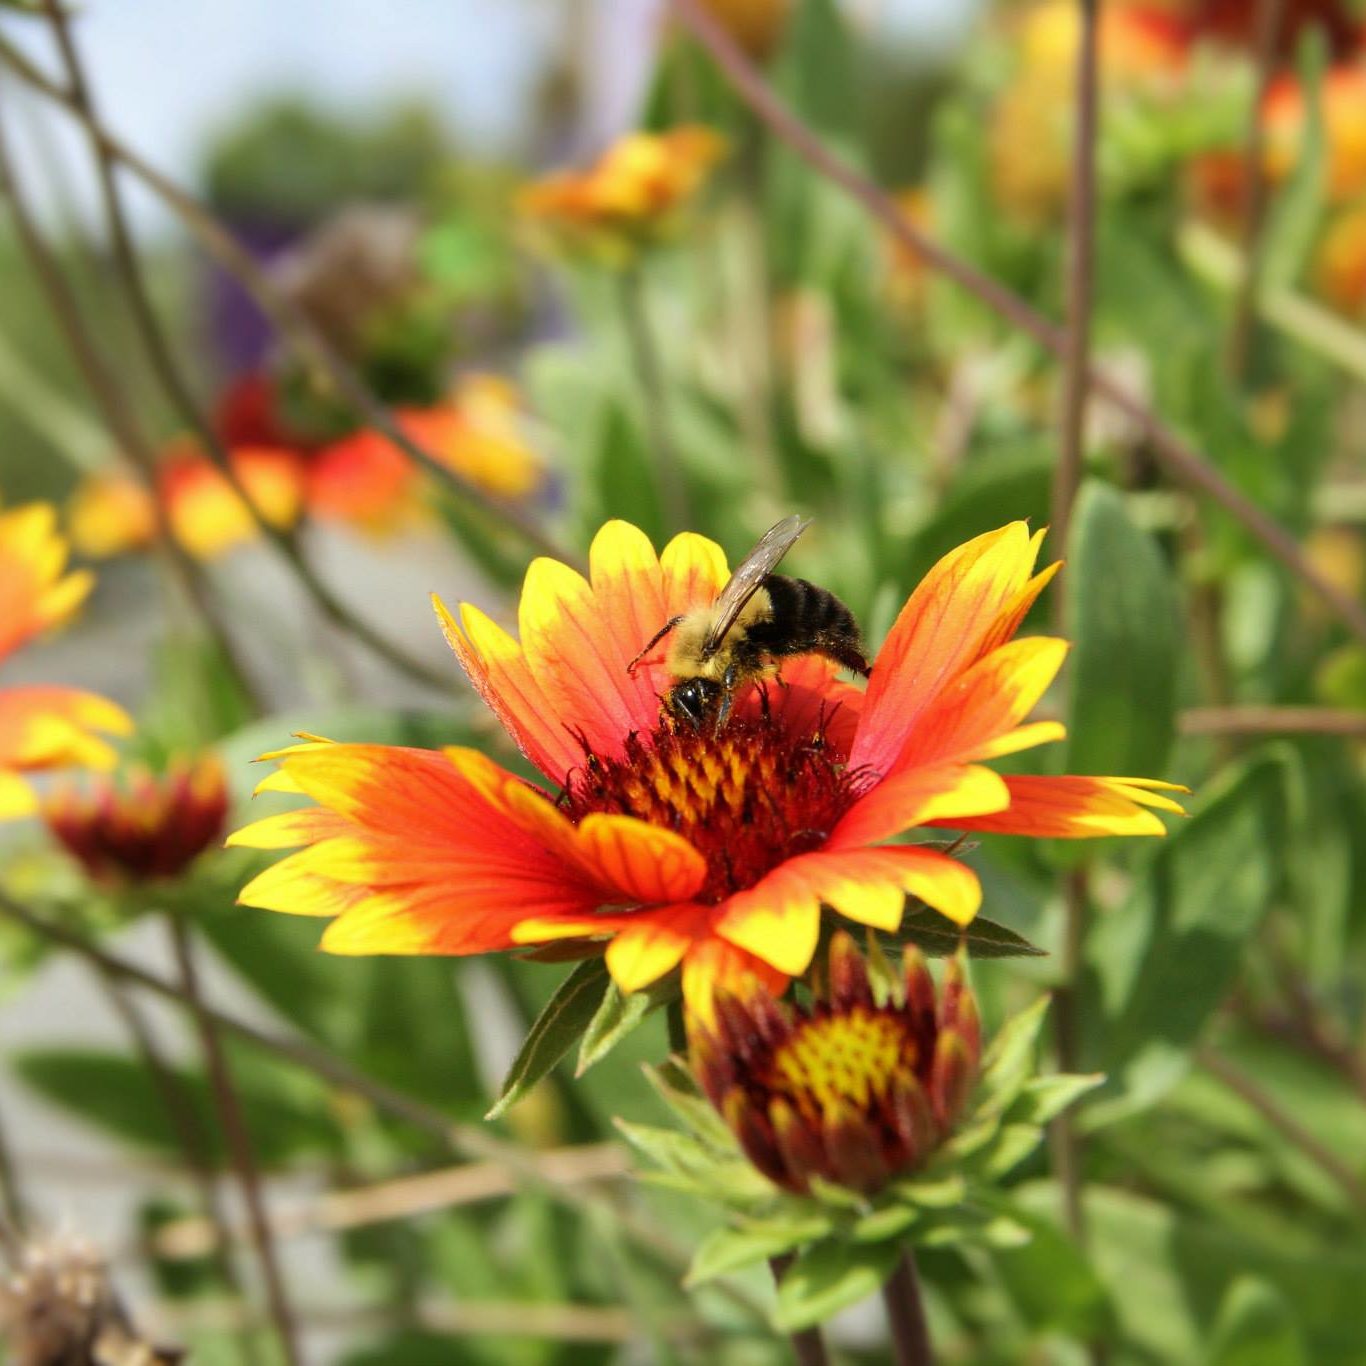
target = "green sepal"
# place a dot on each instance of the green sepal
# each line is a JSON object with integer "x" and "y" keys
{"x": 618, "y": 1015}
{"x": 732, "y": 1249}
{"x": 566, "y": 1016}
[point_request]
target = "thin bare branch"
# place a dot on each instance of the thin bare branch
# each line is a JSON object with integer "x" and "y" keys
{"x": 1263, "y": 720}
{"x": 1270, "y": 22}
{"x": 234, "y": 1121}
{"x": 177, "y": 387}
{"x": 1281, "y": 1119}
{"x": 121, "y": 420}
{"x": 405, "y": 1197}
{"x": 327, "y": 366}
{"x": 1182, "y": 460}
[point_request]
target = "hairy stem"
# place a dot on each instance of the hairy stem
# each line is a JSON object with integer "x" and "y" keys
{"x": 808, "y": 1346}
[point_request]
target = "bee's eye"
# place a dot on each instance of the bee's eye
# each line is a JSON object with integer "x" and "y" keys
{"x": 689, "y": 701}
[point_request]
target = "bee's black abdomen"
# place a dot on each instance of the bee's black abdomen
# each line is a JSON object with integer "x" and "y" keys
{"x": 806, "y": 619}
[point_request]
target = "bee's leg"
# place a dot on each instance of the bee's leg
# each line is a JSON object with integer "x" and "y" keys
{"x": 847, "y": 657}
{"x": 729, "y": 680}
{"x": 653, "y": 641}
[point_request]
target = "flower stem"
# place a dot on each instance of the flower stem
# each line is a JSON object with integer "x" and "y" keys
{"x": 1187, "y": 465}
{"x": 808, "y": 1347}
{"x": 906, "y": 1314}
{"x": 1270, "y": 22}
{"x": 673, "y": 494}
{"x": 190, "y": 1137}
{"x": 230, "y": 1114}
{"x": 13, "y": 1208}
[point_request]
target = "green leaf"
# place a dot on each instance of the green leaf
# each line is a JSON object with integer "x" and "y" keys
{"x": 1044, "y": 1097}
{"x": 566, "y": 1015}
{"x": 1051, "y": 1281}
{"x": 1159, "y": 966}
{"x": 830, "y": 1277}
{"x": 1009, "y": 1058}
{"x": 1014, "y": 1143}
{"x": 1255, "y": 1328}
{"x": 1295, "y": 215}
{"x": 730, "y": 1249}
{"x": 939, "y": 937}
{"x": 1123, "y": 618}
{"x": 285, "y": 1115}
{"x": 617, "y": 1016}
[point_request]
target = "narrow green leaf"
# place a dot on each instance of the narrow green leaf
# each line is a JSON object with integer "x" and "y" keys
{"x": 617, "y": 1016}
{"x": 939, "y": 937}
{"x": 830, "y": 1277}
{"x": 1255, "y": 1328}
{"x": 1009, "y": 1058}
{"x": 565, "y": 1017}
{"x": 1160, "y": 965}
{"x": 730, "y": 1249}
{"x": 1014, "y": 1143}
{"x": 1123, "y": 619}
{"x": 1051, "y": 1281}
{"x": 1045, "y": 1097}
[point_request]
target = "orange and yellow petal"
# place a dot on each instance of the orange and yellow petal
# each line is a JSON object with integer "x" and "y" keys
{"x": 567, "y": 676}
{"x": 778, "y": 919}
{"x": 986, "y": 704}
{"x": 713, "y": 965}
{"x": 111, "y": 514}
{"x": 959, "y": 611}
{"x": 363, "y": 480}
{"x": 449, "y": 849}
{"x": 35, "y": 593}
{"x": 205, "y": 512}
{"x": 1074, "y": 807}
{"x": 918, "y": 797}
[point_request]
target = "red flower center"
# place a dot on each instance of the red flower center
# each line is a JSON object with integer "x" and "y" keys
{"x": 747, "y": 797}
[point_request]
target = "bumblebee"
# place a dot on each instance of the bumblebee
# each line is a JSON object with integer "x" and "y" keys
{"x": 758, "y": 618}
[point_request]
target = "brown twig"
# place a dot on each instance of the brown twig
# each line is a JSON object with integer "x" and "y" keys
{"x": 1284, "y": 1122}
{"x": 1270, "y": 720}
{"x": 328, "y": 367}
{"x": 190, "y": 1138}
{"x": 466, "y": 1139}
{"x": 228, "y": 1105}
{"x": 1270, "y": 22}
{"x": 906, "y": 1315}
{"x": 1184, "y": 462}
{"x": 1081, "y": 250}
{"x": 406, "y": 1197}
{"x": 1303, "y": 1029}
{"x": 808, "y": 1346}
{"x": 122, "y": 423}
{"x": 177, "y": 387}
{"x": 13, "y": 1206}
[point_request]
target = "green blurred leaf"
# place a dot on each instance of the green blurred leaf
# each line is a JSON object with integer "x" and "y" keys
{"x": 556, "y": 1029}
{"x": 1160, "y": 965}
{"x": 730, "y": 1249}
{"x": 939, "y": 937}
{"x": 1051, "y": 1282}
{"x": 830, "y": 1277}
{"x": 285, "y": 1114}
{"x": 1122, "y": 615}
{"x": 1255, "y": 1328}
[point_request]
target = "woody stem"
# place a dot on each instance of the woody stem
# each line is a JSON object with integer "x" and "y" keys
{"x": 808, "y": 1347}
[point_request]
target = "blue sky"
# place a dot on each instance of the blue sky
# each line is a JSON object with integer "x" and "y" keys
{"x": 168, "y": 73}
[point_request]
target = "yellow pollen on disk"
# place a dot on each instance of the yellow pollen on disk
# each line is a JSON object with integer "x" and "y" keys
{"x": 838, "y": 1059}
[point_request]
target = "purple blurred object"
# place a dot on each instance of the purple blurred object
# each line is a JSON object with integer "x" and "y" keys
{"x": 239, "y": 335}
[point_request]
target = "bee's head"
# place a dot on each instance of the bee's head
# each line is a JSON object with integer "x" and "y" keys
{"x": 695, "y": 700}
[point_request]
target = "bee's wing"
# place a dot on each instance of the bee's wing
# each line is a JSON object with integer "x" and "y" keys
{"x": 750, "y": 575}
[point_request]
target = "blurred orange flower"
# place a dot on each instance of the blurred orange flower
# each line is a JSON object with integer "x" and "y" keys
{"x": 1339, "y": 266}
{"x": 629, "y": 198}
{"x": 711, "y": 848}
{"x": 479, "y": 431}
{"x": 145, "y": 827}
{"x": 110, "y": 514}
{"x": 206, "y": 514}
{"x": 1286, "y": 118}
{"x": 43, "y": 727}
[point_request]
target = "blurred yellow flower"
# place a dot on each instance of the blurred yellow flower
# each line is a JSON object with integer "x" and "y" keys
{"x": 629, "y": 198}
{"x": 1339, "y": 266}
{"x": 1286, "y": 119}
{"x": 206, "y": 514}
{"x": 43, "y": 727}
{"x": 110, "y": 514}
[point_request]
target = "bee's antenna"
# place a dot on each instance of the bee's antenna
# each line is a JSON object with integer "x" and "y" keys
{"x": 652, "y": 642}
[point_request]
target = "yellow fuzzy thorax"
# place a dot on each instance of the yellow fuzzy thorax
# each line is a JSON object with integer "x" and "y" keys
{"x": 686, "y": 659}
